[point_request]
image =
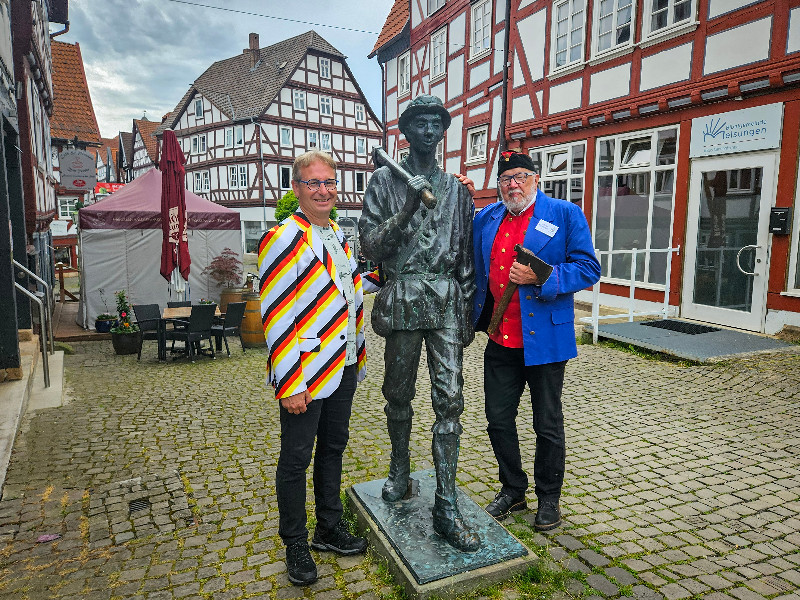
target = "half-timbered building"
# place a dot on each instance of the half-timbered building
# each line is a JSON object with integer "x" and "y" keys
{"x": 673, "y": 123}
{"x": 246, "y": 118}
{"x": 125, "y": 157}
{"x": 107, "y": 160}
{"x": 144, "y": 147}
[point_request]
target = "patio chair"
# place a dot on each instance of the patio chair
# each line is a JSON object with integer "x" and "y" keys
{"x": 230, "y": 324}
{"x": 179, "y": 304}
{"x": 147, "y": 318}
{"x": 198, "y": 328}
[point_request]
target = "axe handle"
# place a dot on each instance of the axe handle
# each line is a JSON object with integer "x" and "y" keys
{"x": 500, "y": 308}
{"x": 381, "y": 158}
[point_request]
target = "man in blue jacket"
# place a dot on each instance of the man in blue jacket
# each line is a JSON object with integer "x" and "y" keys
{"x": 536, "y": 336}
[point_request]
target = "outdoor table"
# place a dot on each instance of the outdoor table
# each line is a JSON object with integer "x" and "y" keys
{"x": 172, "y": 314}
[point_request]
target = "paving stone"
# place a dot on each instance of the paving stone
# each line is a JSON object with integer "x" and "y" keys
{"x": 602, "y": 585}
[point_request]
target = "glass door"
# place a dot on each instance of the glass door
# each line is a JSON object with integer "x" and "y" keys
{"x": 727, "y": 240}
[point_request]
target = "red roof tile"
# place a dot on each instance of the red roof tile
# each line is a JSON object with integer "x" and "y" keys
{"x": 112, "y": 143}
{"x": 146, "y": 128}
{"x": 73, "y": 113}
{"x": 394, "y": 25}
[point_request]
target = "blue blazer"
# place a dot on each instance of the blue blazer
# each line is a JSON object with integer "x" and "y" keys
{"x": 548, "y": 311}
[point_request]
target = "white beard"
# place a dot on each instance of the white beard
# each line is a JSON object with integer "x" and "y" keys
{"x": 515, "y": 205}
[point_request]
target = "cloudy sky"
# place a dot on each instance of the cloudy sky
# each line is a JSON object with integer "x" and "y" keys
{"x": 142, "y": 55}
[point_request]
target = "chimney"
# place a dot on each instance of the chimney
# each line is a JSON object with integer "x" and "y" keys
{"x": 253, "y": 50}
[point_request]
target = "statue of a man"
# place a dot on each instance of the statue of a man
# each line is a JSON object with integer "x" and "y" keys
{"x": 428, "y": 266}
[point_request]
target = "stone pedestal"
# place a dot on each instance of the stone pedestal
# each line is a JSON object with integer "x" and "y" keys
{"x": 421, "y": 561}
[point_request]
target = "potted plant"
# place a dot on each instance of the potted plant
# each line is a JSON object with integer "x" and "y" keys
{"x": 125, "y": 336}
{"x": 104, "y": 321}
{"x": 226, "y": 270}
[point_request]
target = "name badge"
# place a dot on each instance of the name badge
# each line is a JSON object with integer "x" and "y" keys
{"x": 546, "y": 228}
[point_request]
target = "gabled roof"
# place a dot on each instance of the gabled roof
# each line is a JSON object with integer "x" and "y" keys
{"x": 102, "y": 151}
{"x": 395, "y": 22}
{"x": 146, "y": 129}
{"x": 73, "y": 113}
{"x": 126, "y": 146}
{"x": 241, "y": 92}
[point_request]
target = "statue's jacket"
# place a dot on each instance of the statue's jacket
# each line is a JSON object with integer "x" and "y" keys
{"x": 428, "y": 265}
{"x": 304, "y": 311}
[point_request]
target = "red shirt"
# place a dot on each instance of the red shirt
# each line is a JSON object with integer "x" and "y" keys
{"x": 511, "y": 232}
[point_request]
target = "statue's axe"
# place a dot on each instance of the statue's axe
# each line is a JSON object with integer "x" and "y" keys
{"x": 381, "y": 159}
{"x": 542, "y": 270}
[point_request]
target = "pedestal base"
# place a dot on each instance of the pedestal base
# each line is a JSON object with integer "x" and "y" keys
{"x": 420, "y": 560}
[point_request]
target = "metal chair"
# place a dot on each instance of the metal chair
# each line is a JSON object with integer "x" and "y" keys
{"x": 179, "y": 304}
{"x": 147, "y": 318}
{"x": 230, "y": 324}
{"x": 198, "y": 328}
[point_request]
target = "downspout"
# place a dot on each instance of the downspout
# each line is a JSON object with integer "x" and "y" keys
{"x": 504, "y": 96}
{"x": 261, "y": 160}
{"x": 62, "y": 32}
{"x": 384, "y": 140}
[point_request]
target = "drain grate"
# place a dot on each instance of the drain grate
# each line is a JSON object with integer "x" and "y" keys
{"x": 138, "y": 505}
{"x": 681, "y": 326}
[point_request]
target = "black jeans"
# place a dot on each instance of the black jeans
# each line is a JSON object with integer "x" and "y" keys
{"x": 505, "y": 376}
{"x": 327, "y": 420}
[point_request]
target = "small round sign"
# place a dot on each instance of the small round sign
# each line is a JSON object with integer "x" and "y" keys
{"x": 78, "y": 183}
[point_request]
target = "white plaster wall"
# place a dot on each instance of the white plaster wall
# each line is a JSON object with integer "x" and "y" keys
{"x": 521, "y": 109}
{"x": 532, "y": 34}
{"x": 666, "y": 67}
{"x": 391, "y": 107}
{"x": 455, "y": 77}
{"x": 456, "y": 37}
{"x": 478, "y": 74}
{"x": 497, "y": 55}
{"x": 499, "y": 11}
{"x": 539, "y": 96}
{"x": 497, "y": 108}
{"x": 453, "y": 142}
{"x": 438, "y": 90}
{"x": 565, "y": 96}
{"x": 391, "y": 73}
{"x": 720, "y": 7}
{"x": 453, "y": 165}
{"x": 519, "y": 79}
{"x": 524, "y": 3}
{"x": 416, "y": 15}
{"x": 480, "y": 109}
{"x": 742, "y": 45}
{"x": 793, "y": 41}
{"x": 611, "y": 83}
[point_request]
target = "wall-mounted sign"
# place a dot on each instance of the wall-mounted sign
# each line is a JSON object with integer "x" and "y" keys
{"x": 745, "y": 130}
{"x": 78, "y": 169}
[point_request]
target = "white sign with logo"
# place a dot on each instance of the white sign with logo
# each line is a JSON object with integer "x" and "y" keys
{"x": 78, "y": 169}
{"x": 757, "y": 128}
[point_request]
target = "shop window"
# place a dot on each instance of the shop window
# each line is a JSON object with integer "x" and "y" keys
{"x": 634, "y": 203}
{"x": 563, "y": 173}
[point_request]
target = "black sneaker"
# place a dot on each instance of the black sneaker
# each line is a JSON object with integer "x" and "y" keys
{"x": 338, "y": 540}
{"x": 301, "y": 568}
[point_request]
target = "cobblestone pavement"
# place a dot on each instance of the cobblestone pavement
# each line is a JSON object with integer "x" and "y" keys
{"x": 159, "y": 478}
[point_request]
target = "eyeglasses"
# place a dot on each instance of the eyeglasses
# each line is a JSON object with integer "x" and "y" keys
{"x": 313, "y": 184}
{"x": 520, "y": 178}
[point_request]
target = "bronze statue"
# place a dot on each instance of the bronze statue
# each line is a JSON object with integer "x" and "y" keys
{"x": 417, "y": 222}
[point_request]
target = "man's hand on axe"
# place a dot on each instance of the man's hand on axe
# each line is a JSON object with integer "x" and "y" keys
{"x": 416, "y": 185}
{"x": 522, "y": 274}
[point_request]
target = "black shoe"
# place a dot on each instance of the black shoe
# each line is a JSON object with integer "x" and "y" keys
{"x": 338, "y": 540}
{"x": 301, "y": 568}
{"x": 548, "y": 516}
{"x": 503, "y": 504}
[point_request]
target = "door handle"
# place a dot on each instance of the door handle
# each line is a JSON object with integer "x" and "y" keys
{"x": 739, "y": 254}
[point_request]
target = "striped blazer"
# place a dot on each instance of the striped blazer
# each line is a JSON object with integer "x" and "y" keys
{"x": 303, "y": 309}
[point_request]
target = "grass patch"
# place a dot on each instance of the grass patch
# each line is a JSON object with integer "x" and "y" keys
{"x": 647, "y": 354}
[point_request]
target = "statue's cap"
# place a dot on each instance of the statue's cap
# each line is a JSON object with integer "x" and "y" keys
{"x": 424, "y": 105}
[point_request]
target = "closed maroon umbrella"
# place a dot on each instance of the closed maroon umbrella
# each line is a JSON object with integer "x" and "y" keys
{"x": 175, "y": 244}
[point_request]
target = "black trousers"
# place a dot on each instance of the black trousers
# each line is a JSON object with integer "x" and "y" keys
{"x": 327, "y": 420}
{"x": 505, "y": 376}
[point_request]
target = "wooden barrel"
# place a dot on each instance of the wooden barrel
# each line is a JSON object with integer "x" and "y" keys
{"x": 252, "y": 329}
{"x": 229, "y": 295}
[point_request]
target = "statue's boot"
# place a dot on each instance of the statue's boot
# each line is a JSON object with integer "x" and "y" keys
{"x": 400, "y": 464}
{"x": 447, "y": 519}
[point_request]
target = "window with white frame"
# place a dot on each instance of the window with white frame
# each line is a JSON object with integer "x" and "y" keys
{"x": 361, "y": 146}
{"x": 311, "y": 139}
{"x": 438, "y": 53}
{"x": 635, "y": 201}
{"x": 66, "y": 207}
{"x": 360, "y": 115}
{"x": 440, "y": 154}
{"x": 198, "y": 107}
{"x": 404, "y": 74}
{"x": 568, "y": 22}
{"x": 361, "y": 179}
{"x": 434, "y": 5}
{"x": 325, "y": 141}
{"x": 202, "y": 181}
{"x": 665, "y": 14}
{"x": 199, "y": 144}
{"x": 613, "y": 24}
{"x": 325, "y": 68}
{"x": 233, "y": 177}
{"x": 561, "y": 170}
{"x": 299, "y": 100}
{"x": 481, "y": 28}
{"x": 286, "y": 177}
{"x": 476, "y": 144}
{"x": 325, "y": 106}
{"x": 229, "y": 137}
{"x": 286, "y": 137}
{"x": 243, "y": 177}
{"x": 238, "y": 135}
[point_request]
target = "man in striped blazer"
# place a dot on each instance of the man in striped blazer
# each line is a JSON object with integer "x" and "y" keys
{"x": 313, "y": 316}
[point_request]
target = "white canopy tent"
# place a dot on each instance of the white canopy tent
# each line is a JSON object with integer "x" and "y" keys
{"x": 120, "y": 245}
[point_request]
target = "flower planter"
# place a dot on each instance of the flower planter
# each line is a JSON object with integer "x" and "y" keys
{"x": 104, "y": 325}
{"x": 127, "y": 343}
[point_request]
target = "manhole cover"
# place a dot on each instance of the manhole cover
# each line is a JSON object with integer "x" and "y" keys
{"x": 681, "y": 326}
{"x": 138, "y": 505}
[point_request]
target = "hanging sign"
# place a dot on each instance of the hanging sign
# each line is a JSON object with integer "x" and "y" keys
{"x": 745, "y": 130}
{"x": 78, "y": 169}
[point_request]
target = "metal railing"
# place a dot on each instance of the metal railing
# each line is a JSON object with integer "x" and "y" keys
{"x": 596, "y": 318}
{"x": 43, "y": 336}
{"x": 46, "y": 324}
